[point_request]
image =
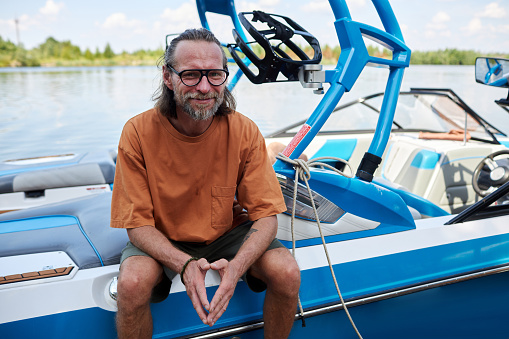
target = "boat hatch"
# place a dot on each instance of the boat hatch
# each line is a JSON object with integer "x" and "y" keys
{"x": 32, "y": 268}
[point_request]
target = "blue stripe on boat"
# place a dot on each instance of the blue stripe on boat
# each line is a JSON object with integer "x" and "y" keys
{"x": 37, "y": 223}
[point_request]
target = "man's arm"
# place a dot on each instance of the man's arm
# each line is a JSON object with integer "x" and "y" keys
{"x": 151, "y": 241}
{"x": 255, "y": 243}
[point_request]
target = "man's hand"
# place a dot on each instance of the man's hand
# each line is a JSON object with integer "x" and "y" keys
{"x": 194, "y": 279}
{"x": 230, "y": 275}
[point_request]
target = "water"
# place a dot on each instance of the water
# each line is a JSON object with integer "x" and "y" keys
{"x": 46, "y": 111}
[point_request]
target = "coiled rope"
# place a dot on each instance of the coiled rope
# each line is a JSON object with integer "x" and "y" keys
{"x": 303, "y": 173}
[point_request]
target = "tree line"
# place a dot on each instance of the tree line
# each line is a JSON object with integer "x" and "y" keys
{"x": 439, "y": 57}
{"x": 63, "y": 53}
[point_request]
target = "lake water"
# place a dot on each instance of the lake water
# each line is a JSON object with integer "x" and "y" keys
{"x": 45, "y": 111}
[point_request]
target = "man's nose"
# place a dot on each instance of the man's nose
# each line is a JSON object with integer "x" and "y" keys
{"x": 204, "y": 85}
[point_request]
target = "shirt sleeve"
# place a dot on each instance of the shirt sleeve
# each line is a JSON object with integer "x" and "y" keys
{"x": 259, "y": 191}
{"x": 131, "y": 204}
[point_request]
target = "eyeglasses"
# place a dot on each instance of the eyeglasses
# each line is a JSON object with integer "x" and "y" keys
{"x": 192, "y": 77}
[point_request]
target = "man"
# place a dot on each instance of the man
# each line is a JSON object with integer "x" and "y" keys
{"x": 196, "y": 192}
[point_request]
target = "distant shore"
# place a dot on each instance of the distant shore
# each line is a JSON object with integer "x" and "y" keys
{"x": 53, "y": 53}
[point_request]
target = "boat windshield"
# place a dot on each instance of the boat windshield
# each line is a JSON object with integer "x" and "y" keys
{"x": 416, "y": 111}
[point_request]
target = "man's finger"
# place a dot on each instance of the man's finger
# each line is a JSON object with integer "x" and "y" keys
{"x": 197, "y": 304}
{"x": 220, "y": 264}
{"x": 220, "y": 313}
{"x": 202, "y": 296}
{"x": 203, "y": 264}
{"x": 223, "y": 290}
{"x": 196, "y": 287}
{"x": 220, "y": 301}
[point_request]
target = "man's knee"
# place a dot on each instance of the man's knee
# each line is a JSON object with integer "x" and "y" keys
{"x": 288, "y": 278}
{"x": 138, "y": 276}
{"x": 282, "y": 272}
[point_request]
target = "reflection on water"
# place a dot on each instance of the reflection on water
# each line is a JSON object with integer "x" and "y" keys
{"x": 61, "y": 110}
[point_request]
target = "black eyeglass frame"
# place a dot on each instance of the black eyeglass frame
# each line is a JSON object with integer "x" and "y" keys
{"x": 203, "y": 72}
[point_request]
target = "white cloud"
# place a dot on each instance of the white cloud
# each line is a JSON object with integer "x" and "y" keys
{"x": 438, "y": 23}
{"x": 176, "y": 20}
{"x": 119, "y": 20}
{"x": 24, "y": 22}
{"x": 51, "y": 8}
{"x": 441, "y": 18}
{"x": 404, "y": 28}
{"x": 447, "y": 33}
{"x": 265, "y": 3}
{"x": 268, "y": 6}
{"x": 324, "y": 6}
{"x": 316, "y": 6}
{"x": 474, "y": 26}
{"x": 493, "y": 10}
{"x": 7, "y": 24}
{"x": 185, "y": 15}
{"x": 429, "y": 34}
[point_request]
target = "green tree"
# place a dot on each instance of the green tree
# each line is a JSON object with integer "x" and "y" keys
{"x": 108, "y": 52}
{"x": 7, "y": 52}
{"x": 68, "y": 51}
{"x": 88, "y": 55}
{"x": 54, "y": 49}
{"x": 49, "y": 49}
{"x": 25, "y": 58}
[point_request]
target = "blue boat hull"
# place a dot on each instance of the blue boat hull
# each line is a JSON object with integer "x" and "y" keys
{"x": 475, "y": 308}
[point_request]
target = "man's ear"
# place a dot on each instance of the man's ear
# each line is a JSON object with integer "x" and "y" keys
{"x": 167, "y": 78}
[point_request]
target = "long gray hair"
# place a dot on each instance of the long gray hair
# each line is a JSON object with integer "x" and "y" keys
{"x": 164, "y": 97}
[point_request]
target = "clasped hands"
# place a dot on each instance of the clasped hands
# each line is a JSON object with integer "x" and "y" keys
{"x": 194, "y": 279}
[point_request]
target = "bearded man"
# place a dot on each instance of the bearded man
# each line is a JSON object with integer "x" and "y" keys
{"x": 196, "y": 191}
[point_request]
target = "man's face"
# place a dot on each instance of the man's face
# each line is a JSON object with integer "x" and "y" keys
{"x": 201, "y": 101}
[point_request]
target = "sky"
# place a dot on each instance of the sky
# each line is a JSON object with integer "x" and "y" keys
{"x": 132, "y": 25}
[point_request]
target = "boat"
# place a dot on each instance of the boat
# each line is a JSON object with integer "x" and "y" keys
{"x": 389, "y": 258}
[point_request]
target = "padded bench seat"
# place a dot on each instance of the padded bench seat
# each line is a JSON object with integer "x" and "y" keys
{"x": 79, "y": 227}
{"x": 35, "y": 174}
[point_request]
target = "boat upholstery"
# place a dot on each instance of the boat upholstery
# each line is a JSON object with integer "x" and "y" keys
{"x": 452, "y": 186}
{"x": 349, "y": 149}
{"x": 79, "y": 227}
{"x": 80, "y": 170}
{"x": 438, "y": 171}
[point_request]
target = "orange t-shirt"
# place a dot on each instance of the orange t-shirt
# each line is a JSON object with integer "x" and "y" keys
{"x": 186, "y": 186}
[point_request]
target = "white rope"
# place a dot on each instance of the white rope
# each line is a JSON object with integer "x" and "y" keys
{"x": 303, "y": 173}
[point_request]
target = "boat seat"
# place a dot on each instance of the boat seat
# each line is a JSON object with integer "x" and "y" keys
{"x": 410, "y": 165}
{"x": 350, "y": 149}
{"x": 440, "y": 172}
{"x": 80, "y": 227}
{"x": 38, "y": 174}
{"x": 452, "y": 187}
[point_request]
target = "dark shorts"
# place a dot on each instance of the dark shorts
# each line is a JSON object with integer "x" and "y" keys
{"x": 225, "y": 247}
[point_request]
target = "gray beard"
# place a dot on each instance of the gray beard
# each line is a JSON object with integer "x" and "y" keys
{"x": 200, "y": 113}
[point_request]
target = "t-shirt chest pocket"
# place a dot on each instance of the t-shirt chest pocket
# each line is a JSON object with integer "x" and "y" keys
{"x": 222, "y": 206}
